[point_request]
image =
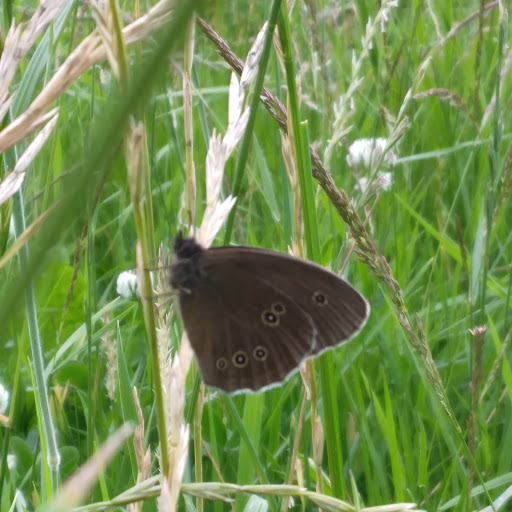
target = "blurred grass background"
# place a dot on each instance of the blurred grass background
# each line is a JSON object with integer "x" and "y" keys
{"x": 444, "y": 227}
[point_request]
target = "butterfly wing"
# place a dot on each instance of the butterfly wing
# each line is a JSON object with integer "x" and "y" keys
{"x": 245, "y": 334}
{"x": 338, "y": 310}
{"x": 252, "y": 315}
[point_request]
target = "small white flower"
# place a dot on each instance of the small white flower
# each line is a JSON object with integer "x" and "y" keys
{"x": 365, "y": 151}
{"x": 127, "y": 285}
{"x": 382, "y": 181}
{"x": 4, "y": 399}
{"x": 385, "y": 180}
{"x": 11, "y": 461}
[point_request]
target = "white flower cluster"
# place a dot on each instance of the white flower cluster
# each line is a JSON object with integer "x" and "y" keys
{"x": 366, "y": 153}
{"x": 383, "y": 182}
{"x": 128, "y": 285}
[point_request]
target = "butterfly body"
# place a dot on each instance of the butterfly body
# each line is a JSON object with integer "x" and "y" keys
{"x": 253, "y": 315}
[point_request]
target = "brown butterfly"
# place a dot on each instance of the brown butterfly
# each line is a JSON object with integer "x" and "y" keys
{"x": 253, "y": 315}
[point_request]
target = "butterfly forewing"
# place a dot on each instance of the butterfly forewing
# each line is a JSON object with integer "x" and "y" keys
{"x": 337, "y": 309}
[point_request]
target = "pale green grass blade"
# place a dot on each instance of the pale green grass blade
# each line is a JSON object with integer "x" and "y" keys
{"x": 447, "y": 244}
{"x": 252, "y": 420}
{"x": 267, "y": 182}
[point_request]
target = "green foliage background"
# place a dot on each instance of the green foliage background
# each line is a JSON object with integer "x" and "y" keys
{"x": 450, "y": 254}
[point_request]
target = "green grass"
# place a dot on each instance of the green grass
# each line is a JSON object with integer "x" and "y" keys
{"x": 391, "y": 401}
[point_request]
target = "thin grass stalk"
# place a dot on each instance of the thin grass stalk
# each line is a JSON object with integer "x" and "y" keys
{"x": 137, "y": 159}
{"x": 328, "y": 390}
{"x": 355, "y": 492}
{"x": 307, "y": 369}
{"x": 188, "y": 122}
{"x": 303, "y": 170}
{"x": 259, "y": 468}
{"x": 478, "y": 65}
{"x": 252, "y": 421}
{"x": 13, "y": 420}
{"x": 490, "y": 203}
{"x": 148, "y": 205}
{"x": 318, "y": 451}
{"x": 3, "y": 462}
{"x": 148, "y": 198}
{"x": 90, "y": 306}
{"x": 478, "y": 334}
{"x": 296, "y": 443}
{"x": 221, "y": 491}
{"x": 193, "y": 398}
{"x": 215, "y": 214}
{"x": 496, "y": 367}
{"x": 190, "y": 212}
{"x": 5, "y": 219}
{"x": 136, "y": 178}
{"x": 143, "y": 456}
{"x": 79, "y": 484}
{"x": 90, "y": 384}
{"x": 77, "y": 255}
{"x": 48, "y": 434}
{"x": 319, "y": 47}
{"x": 300, "y": 142}
{"x": 313, "y": 397}
{"x": 300, "y": 185}
{"x": 505, "y": 187}
{"x": 97, "y": 381}
{"x": 492, "y": 183}
{"x": 25, "y": 259}
{"x": 198, "y": 437}
{"x": 243, "y": 153}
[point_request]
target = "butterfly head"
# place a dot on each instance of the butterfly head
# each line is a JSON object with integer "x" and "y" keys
{"x": 185, "y": 269}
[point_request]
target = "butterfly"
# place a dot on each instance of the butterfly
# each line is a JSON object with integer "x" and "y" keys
{"x": 254, "y": 315}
